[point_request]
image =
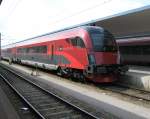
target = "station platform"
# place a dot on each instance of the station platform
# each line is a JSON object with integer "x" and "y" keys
{"x": 6, "y": 109}
{"x": 137, "y": 76}
{"x": 91, "y": 95}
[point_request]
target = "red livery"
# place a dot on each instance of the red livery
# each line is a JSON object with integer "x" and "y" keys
{"x": 86, "y": 52}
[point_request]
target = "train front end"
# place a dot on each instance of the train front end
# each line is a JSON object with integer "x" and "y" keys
{"x": 103, "y": 56}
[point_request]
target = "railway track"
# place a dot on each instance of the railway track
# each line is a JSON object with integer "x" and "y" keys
{"x": 127, "y": 91}
{"x": 22, "y": 109}
{"x": 124, "y": 90}
{"x": 44, "y": 103}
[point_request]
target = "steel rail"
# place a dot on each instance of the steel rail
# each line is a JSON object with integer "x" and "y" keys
{"x": 125, "y": 93}
{"x": 50, "y": 93}
{"x": 21, "y": 96}
{"x": 131, "y": 87}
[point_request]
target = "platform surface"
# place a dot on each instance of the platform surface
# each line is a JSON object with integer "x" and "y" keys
{"x": 137, "y": 76}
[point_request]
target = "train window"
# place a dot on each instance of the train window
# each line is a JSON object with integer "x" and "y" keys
{"x": 18, "y": 50}
{"x": 41, "y": 49}
{"x": 74, "y": 41}
{"x": 37, "y": 49}
{"x": 68, "y": 41}
{"x": 4, "y": 51}
{"x": 78, "y": 42}
{"x": 97, "y": 39}
{"x": 21, "y": 50}
{"x": 109, "y": 39}
{"x": 8, "y": 50}
{"x": 102, "y": 40}
{"x": 27, "y": 50}
{"x": 32, "y": 50}
{"x": 146, "y": 49}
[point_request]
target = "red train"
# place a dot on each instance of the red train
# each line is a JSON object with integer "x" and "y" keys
{"x": 86, "y": 52}
{"x": 135, "y": 50}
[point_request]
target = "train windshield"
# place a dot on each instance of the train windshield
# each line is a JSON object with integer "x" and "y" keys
{"x": 103, "y": 41}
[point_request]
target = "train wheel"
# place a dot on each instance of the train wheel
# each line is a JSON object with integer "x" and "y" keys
{"x": 59, "y": 71}
{"x": 83, "y": 78}
{"x": 79, "y": 76}
{"x": 10, "y": 61}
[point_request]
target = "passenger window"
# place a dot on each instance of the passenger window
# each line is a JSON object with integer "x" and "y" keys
{"x": 42, "y": 49}
{"x": 74, "y": 41}
{"x": 78, "y": 42}
{"x": 8, "y": 50}
{"x": 68, "y": 40}
{"x": 21, "y": 50}
{"x": 35, "y": 49}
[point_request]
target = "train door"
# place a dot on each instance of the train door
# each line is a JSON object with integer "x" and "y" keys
{"x": 61, "y": 52}
{"x": 58, "y": 51}
{"x": 60, "y": 60}
{"x": 15, "y": 54}
{"x": 52, "y": 53}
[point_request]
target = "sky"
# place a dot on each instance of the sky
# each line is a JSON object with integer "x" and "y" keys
{"x": 21, "y": 19}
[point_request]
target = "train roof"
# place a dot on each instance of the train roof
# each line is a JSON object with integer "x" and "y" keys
{"x": 85, "y": 27}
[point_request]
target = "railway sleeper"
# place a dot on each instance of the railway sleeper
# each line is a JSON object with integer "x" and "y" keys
{"x": 45, "y": 105}
{"x": 56, "y": 110}
{"x": 39, "y": 98}
{"x": 60, "y": 114}
{"x": 51, "y": 108}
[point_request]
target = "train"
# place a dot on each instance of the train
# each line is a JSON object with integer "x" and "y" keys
{"x": 135, "y": 50}
{"x": 85, "y": 53}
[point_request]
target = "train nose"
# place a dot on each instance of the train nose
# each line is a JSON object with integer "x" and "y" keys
{"x": 106, "y": 58}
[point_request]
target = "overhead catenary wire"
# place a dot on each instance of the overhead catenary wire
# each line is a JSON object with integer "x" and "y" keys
{"x": 64, "y": 18}
{"x": 84, "y": 10}
{"x": 11, "y": 10}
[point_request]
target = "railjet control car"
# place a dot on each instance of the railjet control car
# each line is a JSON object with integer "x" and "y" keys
{"x": 86, "y": 52}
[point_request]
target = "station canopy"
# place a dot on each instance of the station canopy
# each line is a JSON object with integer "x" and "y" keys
{"x": 127, "y": 24}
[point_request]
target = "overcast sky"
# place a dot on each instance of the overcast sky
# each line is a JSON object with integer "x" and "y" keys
{"x": 21, "y": 19}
